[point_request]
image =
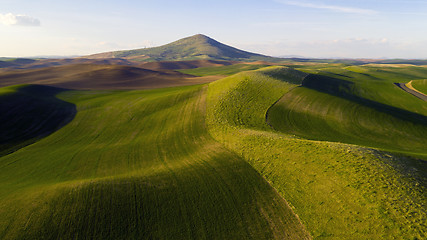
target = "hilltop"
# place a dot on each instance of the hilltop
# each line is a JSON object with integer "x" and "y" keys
{"x": 191, "y": 48}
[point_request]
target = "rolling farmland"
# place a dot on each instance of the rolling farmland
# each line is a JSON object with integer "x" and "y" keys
{"x": 146, "y": 169}
{"x": 211, "y": 148}
{"x": 339, "y": 191}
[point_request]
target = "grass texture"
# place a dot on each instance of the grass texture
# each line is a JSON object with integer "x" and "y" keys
{"x": 222, "y": 70}
{"x": 420, "y": 85}
{"x": 339, "y": 191}
{"x": 356, "y": 105}
{"x": 218, "y": 162}
{"x": 137, "y": 165}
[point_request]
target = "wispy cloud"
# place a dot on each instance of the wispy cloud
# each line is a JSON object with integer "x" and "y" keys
{"x": 334, "y": 8}
{"x": 11, "y": 19}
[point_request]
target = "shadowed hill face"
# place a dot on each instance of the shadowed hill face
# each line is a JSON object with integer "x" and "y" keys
{"x": 29, "y": 113}
{"x": 195, "y": 47}
{"x": 16, "y": 62}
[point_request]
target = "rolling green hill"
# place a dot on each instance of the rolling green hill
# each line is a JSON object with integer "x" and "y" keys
{"x": 191, "y": 48}
{"x": 137, "y": 165}
{"x": 323, "y": 151}
{"x": 327, "y": 108}
{"x": 222, "y": 70}
{"x": 420, "y": 85}
{"x": 339, "y": 191}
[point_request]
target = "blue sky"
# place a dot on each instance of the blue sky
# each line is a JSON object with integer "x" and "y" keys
{"x": 310, "y": 28}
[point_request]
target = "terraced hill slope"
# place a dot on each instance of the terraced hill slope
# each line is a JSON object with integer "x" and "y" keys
{"x": 339, "y": 191}
{"x": 137, "y": 165}
{"x": 191, "y": 48}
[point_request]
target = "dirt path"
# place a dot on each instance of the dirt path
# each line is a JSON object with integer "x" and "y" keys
{"x": 410, "y": 89}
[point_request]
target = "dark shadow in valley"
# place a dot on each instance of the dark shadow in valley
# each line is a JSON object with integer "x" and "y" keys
{"x": 31, "y": 113}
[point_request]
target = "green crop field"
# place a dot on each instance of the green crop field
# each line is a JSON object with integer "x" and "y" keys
{"x": 222, "y": 70}
{"x": 310, "y": 151}
{"x": 132, "y": 165}
{"x": 420, "y": 85}
{"x": 339, "y": 110}
{"x": 339, "y": 191}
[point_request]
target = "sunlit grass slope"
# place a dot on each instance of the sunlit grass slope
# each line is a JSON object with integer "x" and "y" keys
{"x": 339, "y": 191}
{"x": 137, "y": 165}
{"x": 222, "y": 70}
{"x": 376, "y": 83}
{"x": 420, "y": 85}
{"x": 349, "y": 109}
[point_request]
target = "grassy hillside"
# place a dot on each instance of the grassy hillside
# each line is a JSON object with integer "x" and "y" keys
{"x": 339, "y": 191}
{"x": 327, "y": 108}
{"x": 420, "y": 85}
{"x": 137, "y": 165}
{"x": 376, "y": 83}
{"x": 222, "y": 70}
{"x": 190, "y": 64}
{"x": 191, "y": 48}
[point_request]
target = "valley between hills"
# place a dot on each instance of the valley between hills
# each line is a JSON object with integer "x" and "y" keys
{"x": 200, "y": 140}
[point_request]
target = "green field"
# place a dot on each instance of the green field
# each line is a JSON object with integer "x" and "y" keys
{"x": 338, "y": 110}
{"x": 339, "y": 191}
{"x": 310, "y": 151}
{"x": 223, "y": 70}
{"x": 420, "y": 85}
{"x": 137, "y": 164}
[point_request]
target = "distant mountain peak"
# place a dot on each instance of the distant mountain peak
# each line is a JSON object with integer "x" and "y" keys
{"x": 195, "y": 47}
{"x": 201, "y": 36}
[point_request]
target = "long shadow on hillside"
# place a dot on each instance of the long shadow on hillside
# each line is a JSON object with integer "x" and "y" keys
{"x": 345, "y": 89}
{"x": 31, "y": 113}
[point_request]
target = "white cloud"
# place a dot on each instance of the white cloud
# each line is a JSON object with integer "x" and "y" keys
{"x": 329, "y": 7}
{"x": 18, "y": 20}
